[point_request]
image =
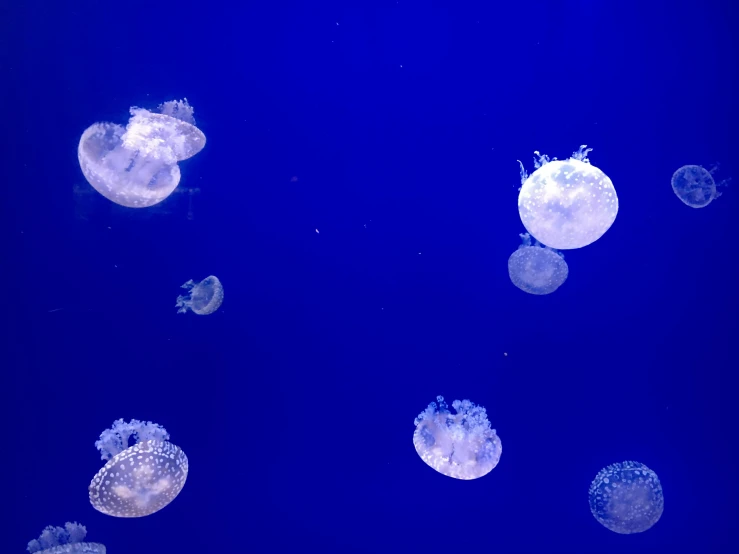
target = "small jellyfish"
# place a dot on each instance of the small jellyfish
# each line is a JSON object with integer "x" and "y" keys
{"x": 695, "y": 185}
{"x": 626, "y": 497}
{"x": 136, "y": 166}
{"x": 64, "y": 540}
{"x": 203, "y": 298}
{"x": 537, "y": 269}
{"x": 566, "y": 204}
{"x": 141, "y": 479}
{"x": 460, "y": 445}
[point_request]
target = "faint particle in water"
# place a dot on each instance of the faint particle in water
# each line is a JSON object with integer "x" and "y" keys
{"x": 566, "y": 204}
{"x": 141, "y": 479}
{"x": 64, "y": 540}
{"x": 537, "y": 269}
{"x": 695, "y": 185}
{"x": 136, "y": 166}
{"x": 203, "y": 298}
{"x": 460, "y": 445}
{"x": 626, "y": 497}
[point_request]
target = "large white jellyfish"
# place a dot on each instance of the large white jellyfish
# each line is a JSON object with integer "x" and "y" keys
{"x": 626, "y": 497}
{"x": 64, "y": 540}
{"x": 536, "y": 269}
{"x": 460, "y": 445}
{"x": 136, "y": 166}
{"x": 203, "y": 298}
{"x": 141, "y": 479}
{"x": 695, "y": 186}
{"x": 566, "y": 204}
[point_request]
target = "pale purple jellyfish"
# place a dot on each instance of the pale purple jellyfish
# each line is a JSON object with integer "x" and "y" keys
{"x": 64, "y": 540}
{"x": 136, "y": 166}
{"x": 141, "y": 479}
{"x": 537, "y": 269}
{"x": 460, "y": 445}
{"x": 566, "y": 204}
{"x": 203, "y": 298}
{"x": 695, "y": 186}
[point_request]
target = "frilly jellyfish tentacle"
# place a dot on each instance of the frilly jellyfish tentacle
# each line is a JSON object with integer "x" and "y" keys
{"x": 64, "y": 540}
{"x": 582, "y": 154}
{"x": 113, "y": 441}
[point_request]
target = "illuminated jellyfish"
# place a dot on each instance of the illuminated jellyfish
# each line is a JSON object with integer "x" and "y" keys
{"x": 537, "y": 269}
{"x": 203, "y": 298}
{"x": 695, "y": 185}
{"x": 136, "y": 166}
{"x": 141, "y": 479}
{"x": 64, "y": 540}
{"x": 566, "y": 204}
{"x": 460, "y": 445}
{"x": 626, "y": 497}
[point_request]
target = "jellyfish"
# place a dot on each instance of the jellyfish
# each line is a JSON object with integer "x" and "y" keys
{"x": 64, "y": 540}
{"x": 626, "y": 497}
{"x": 136, "y": 166}
{"x": 460, "y": 445}
{"x": 203, "y": 298}
{"x": 141, "y": 479}
{"x": 695, "y": 185}
{"x": 537, "y": 269}
{"x": 566, "y": 204}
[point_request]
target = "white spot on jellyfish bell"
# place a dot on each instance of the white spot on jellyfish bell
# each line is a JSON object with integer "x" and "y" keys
{"x": 537, "y": 269}
{"x": 203, "y": 298}
{"x": 64, "y": 540}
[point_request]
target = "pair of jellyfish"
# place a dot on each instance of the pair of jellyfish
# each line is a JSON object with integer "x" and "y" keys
{"x": 64, "y": 540}
{"x": 695, "y": 185}
{"x": 202, "y": 298}
{"x": 136, "y": 166}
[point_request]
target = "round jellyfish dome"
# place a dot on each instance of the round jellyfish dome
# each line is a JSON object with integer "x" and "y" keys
{"x": 567, "y": 204}
{"x": 626, "y": 497}
{"x": 136, "y": 166}
{"x": 203, "y": 298}
{"x": 64, "y": 540}
{"x": 695, "y": 186}
{"x": 537, "y": 269}
{"x": 460, "y": 445}
{"x": 141, "y": 479}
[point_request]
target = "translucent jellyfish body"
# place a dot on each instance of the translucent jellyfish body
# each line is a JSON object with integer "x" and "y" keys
{"x": 136, "y": 166}
{"x": 566, "y": 204}
{"x": 141, "y": 479}
{"x": 626, "y": 497}
{"x": 537, "y": 269}
{"x": 64, "y": 540}
{"x": 695, "y": 185}
{"x": 460, "y": 445}
{"x": 203, "y": 298}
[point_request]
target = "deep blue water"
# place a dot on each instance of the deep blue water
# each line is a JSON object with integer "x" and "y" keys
{"x": 402, "y": 122}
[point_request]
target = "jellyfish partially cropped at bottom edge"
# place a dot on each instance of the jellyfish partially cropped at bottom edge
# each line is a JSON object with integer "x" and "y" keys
{"x": 460, "y": 445}
{"x": 626, "y": 497}
{"x": 141, "y": 479}
{"x": 203, "y": 298}
{"x": 64, "y": 540}
{"x": 695, "y": 185}
{"x": 537, "y": 269}
{"x": 566, "y": 204}
{"x": 136, "y": 166}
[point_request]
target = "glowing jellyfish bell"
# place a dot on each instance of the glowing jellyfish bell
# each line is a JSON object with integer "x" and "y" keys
{"x": 141, "y": 479}
{"x": 695, "y": 186}
{"x": 626, "y": 497}
{"x": 566, "y": 204}
{"x": 537, "y": 269}
{"x": 460, "y": 445}
{"x": 203, "y": 298}
{"x": 136, "y": 166}
{"x": 64, "y": 540}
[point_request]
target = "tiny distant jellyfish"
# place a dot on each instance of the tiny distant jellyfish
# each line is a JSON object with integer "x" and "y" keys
{"x": 136, "y": 166}
{"x": 141, "y": 479}
{"x": 64, "y": 540}
{"x": 203, "y": 298}
{"x": 461, "y": 445}
{"x": 566, "y": 204}
{"x": 695, "y": 185}
{"x": 626, "y": 498}
{"x": 537, "y": 269}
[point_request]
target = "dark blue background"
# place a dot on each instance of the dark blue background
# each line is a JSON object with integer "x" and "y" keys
{"x": 402, "y": 122}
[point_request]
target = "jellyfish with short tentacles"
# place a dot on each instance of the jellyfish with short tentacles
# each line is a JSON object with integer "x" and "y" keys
{"x": 136, "y": 166}
{"x": 626, "y": 497}
{"x": 537, "y": 269}
{"x": 141, "y": 479}
{"x": 461, "y": 445}
{"x": 695, "y": 186}
{"x": 64, "y": 540}
{"x": 203, "y": 298}
{"x": 566, "y": 204}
